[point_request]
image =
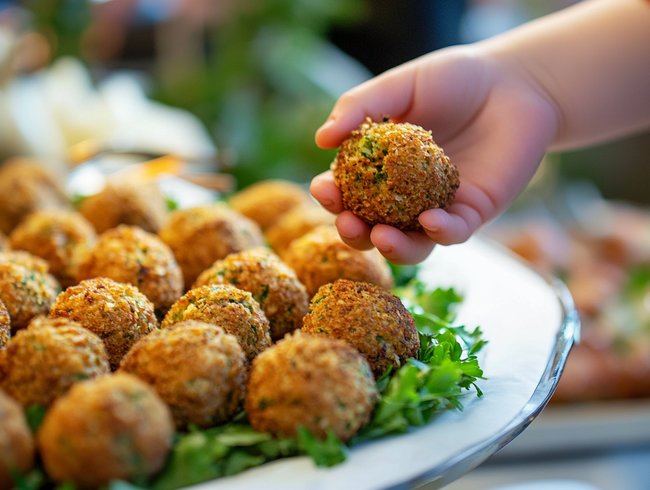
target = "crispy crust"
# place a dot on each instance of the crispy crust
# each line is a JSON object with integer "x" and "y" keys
{"x": 197, "y": 369}
{"x": 320, "y": 257}
{"x": 118, "y": 313}
{"x": 16, "y": 442}
{"x": 5, "y": 326}
{"x": 294, "y": 224}
{"x": 199, "y": 236}
{"x": 309, "y": 381}
{"x": 130, "y": 255}
{"x": 111, "y": 428}
{"x": 391, "y": 172}
{"x": 369, "y": 318}
{"x": 230, "y": 308}
{"x": 271, "y": 282}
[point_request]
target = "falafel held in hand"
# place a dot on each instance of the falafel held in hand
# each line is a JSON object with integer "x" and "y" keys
{"x": 571, "y": 79}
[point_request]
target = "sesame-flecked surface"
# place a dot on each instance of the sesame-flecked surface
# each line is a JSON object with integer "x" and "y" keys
{"x": 42, "y": 361}
{"x": 265, "y": 201}
{"x": 60, "y": 237}
{"x": 272, "y": 283}
{"x": 16, "y": 442}
{"x": 228, "y": 307}
{"x": 391, "y": 172}
{"x": 111, "y": 428}
{"x": 131, "y": 255}
{"x": 197, "y": 369}
{"x": 295, "y": 223}
{"x": 311, "y": 381}
{"x": 320, "y": 257}
{"x": 118, "y": 313}
{"x": 369, "y": 318}
{"x": 199, "y": 236}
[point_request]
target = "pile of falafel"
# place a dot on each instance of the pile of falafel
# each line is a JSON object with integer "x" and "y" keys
{"x": 127, "y": 322}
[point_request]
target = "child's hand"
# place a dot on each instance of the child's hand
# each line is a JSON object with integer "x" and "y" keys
{"x": 494, "y": 122}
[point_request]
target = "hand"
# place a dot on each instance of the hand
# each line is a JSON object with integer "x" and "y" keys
{"x": 491, "y": 119}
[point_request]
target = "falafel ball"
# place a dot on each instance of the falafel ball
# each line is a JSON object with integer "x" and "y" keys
{"x": 118, "y": 313}
{"x": 130, "y": 255}
{"x": 197, "y": 369}
{"x": 316, "y": 382}
{"x": 4, "y": 242}
{"x": 16, "y": 442}
{"x": 271, "y": 282}
{"x": 320, "y": 257}
{"x": 5, "y": 326}
{"x": 26, "y": 289}
{"x": 199, "y": 236}
{"x": 294, "y": 224}
{"x": 42, "y": 361}
{"x": 111, "y": 428}
{"x": 391, "y": 172}
{"x": 228, "y": 307}
{"x": 123, "y": 202}
{"x": 60, "y": 237}
{"x": 27, "y": 186}
{"x": 369, "y": 318}
{"x": 265, "y": 201}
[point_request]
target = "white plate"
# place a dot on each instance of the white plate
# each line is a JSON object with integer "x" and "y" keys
{"x": 531, "y": 326}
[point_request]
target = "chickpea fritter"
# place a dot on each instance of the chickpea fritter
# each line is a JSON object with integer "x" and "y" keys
{"x": 60, "y": 237}
{"x": 5, "y": 326}
{"x": 320, "y": 257}
{"x": 315, "y": 382}
{"x": 118, "y": 313}
{"x": 124, "y": 202}
{"x": 294, "y": 224}
{"x": 271, "y": 282}
{"x": 199, "y": 236}
{"x": 4, "y": 242}
{"x": 369, "y": 318}
{"x": 391, "y": 172}
{"x": 16, "y": 442}
{"x": 196, "y": 368}
{"x": 45, "y": 359}
{"x": 130, "y": 255}
{"x": 264, "y": 202}
{"x": 26, "y": 289}
{"x": 112, "y": 428}
{"x": 228, "y": 307}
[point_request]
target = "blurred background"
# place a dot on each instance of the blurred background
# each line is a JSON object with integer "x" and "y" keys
{"x": 238, "y": 87}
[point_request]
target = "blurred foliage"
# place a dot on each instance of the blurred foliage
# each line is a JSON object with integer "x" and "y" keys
{"x": 257, "y": 91}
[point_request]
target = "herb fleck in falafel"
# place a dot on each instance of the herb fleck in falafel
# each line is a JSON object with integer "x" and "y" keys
{"x": 391, "y": 172}
{"x": 16, "y": 442}
{"x": 228, "y": 307}
{"x": 320, "y": 257}
{"x": 197, "y": 369}
{"x": 319, "y": 383}
{"x": 111, "y": 428}
{"x": 271, "y": 282}
{"x": 369, "y": 318}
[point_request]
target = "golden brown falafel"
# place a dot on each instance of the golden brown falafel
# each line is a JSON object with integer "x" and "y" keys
{"x": 228, "y": 307}
{"x": 16, "y": 442}
{"x": 27, "y": 186}
{"x": 391, "y": 172}
{"x": 271, "y": 282}
{"x": 4, "y": 242}
{"x": 118, "y": 313}
{"x": 123, "y": 202}
{"x": 320, "y": 257}
{"x": 199, "y": 236}
{"x": 316, "y": 382}
{"x": 130, "y": 255}
{"x": 369, "y": 318}
{"x": 111, "y": 428}
{"x": 294, "y": 224}
{"x": 25, "y": 291}
{"x": 265, "y": 201}
{"x": 42, "y": 361}
{"x": 60, "y": 237}
{"x": 5, "y": 325}
{"x": 196, "y": 368}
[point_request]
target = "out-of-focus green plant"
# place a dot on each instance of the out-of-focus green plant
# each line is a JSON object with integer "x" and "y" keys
{"x": 268, "y": 82}
{"x": 62, "y": 22}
